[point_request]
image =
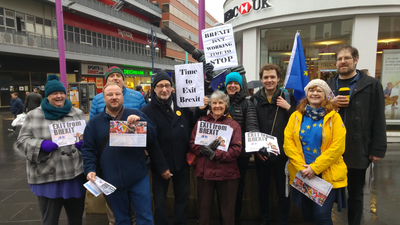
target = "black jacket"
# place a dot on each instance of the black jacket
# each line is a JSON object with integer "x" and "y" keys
{"x": 173, "y": 133}
{"x": 266, "y": 113}
{"x": 16, "y": 106}
{"x": 365, "y": 121}
{"x": 244, "y": 113}
{"x": 32, "y": 101}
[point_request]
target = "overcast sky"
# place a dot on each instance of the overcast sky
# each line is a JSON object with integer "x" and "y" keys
{"x": 215, "y": 8}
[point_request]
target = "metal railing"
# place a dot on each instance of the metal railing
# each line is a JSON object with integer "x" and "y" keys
{"x": 101, "y": 7}
{"x": 149, "y": 4}
{"x": 43, "y": 42}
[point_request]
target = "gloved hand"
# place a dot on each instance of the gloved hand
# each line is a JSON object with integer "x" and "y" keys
{"x": 205, "y": 150}
{"x": 214, "y": 144}
{"x": 48, "y": 146}
{"x": 263, "y": 151}
{"x": 198, "y": 55}
{"x": 208, "y": 70}
{"x": 78, "y": 145}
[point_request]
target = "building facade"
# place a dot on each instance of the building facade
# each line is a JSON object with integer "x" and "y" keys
{"x": 265, "y": 30}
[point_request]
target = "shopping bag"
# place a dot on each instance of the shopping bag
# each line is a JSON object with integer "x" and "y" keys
{"x": 19, "y": 121}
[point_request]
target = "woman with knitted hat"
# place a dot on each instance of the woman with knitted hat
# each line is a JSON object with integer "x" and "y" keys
{"x": 55, "y": 174}
{"x": 315, "y": 142}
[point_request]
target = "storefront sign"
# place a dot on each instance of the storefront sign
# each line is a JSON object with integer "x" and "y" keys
{"x": 245, "y": 8}
{"x": 92, "y": 69}
{"x": 134, "y": 72}
{"x": 219, "y": 47}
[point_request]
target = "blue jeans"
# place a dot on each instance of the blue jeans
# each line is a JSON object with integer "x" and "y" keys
{"x": 139, "y": 196}
{"x": 312, "y": 212}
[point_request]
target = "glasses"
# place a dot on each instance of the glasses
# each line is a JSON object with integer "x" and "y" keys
{"x": 346, "y": 59}
{"x": 160, "y": 86}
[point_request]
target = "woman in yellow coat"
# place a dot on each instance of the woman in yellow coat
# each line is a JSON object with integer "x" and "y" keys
{"x": 315, "y": 142}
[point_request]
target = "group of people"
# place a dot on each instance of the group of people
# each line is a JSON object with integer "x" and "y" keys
{"x": 335, "y": 139}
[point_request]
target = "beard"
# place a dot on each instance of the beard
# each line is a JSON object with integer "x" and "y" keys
{"x": 346, "y": 72}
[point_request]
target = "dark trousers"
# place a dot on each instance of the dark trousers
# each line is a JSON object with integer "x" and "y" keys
{"x": 320, "y": 215}
{"x": 243, "y": 163}
{"x": 50, "y": 209}
{"x": 355, "y": 188}
{"x": 264, "y": 171}
{"x": 15, "y": 116}
{"x": 226, "y": 191}
{"x": 181, "y": 184}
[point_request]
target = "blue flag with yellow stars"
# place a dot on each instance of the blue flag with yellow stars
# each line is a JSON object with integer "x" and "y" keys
{"x": 311, "y": 138}
{"x": 218, "y": 82}
{"x": 297, "y": 74}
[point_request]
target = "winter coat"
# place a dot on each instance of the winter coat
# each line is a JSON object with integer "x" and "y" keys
{"x": 243, "y": 112}
{"x": 16, "y": 106}
{"x": 32, "y": 101}
{"x": 43, "y": 167}
{"x": 266, "y": 114}
{"x": 224, "y": 165}
{"x": 120, "y": 166}
{"x": 132, "y": 100}
{"x": 365, "y": 121}
{"x": 330, "y": 163}
{"x": 173, "y": 129}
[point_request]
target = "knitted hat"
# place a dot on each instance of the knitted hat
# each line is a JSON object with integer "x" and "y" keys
{"x": 114, "y": 69}
{"x": 53, "y": 84}
{"x": 161, "y": 75}
{"x": 234, "y": 76}
{"x": 319, "y": 83}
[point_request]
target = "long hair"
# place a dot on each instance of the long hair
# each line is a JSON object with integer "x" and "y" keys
{"x": 326, "y": 104}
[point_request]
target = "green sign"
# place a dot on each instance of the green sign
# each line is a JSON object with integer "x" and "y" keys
{"x": 133, "y": 72}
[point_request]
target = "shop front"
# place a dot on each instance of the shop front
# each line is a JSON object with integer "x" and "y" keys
{"x": 137, "y": 76}
{"x": 265, "y": 30}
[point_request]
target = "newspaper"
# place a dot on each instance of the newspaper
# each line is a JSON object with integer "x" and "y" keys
{"x": 99, "y": 187}
{"x": 123, "y": 134}
{"x": 256, "y": 140}
{"x": 315, "y": 188}
{"x": 67, "y": 133}
{"x": 208, "y": 132}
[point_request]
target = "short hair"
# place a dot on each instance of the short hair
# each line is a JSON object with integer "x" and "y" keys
{"x": 111, "y": 84}
{"x": 351, "y": 49}
{"x": 270, "y": 66}
{"x": 15, "y": 93}
{"x": 138, "y": 87}
{"x": 219, "y": 95}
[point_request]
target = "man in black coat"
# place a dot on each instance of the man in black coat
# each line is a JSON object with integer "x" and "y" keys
{"x": 16, "y": 107}
{"x": 33, "y": 100}
{"x": 273, "y": 112}
{"x": 174, "y": 126}
{"x": 364, "y": 118}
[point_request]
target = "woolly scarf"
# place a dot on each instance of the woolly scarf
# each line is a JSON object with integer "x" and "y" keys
{"x": 53, "y": 113}
{"x": 315, "y": 114}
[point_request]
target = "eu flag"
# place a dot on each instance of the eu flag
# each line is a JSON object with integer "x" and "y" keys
{"x": 218, "y": 82}
{"x": 297, "y": 74}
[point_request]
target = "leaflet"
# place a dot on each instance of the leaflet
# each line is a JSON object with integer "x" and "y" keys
{"x": 67, "y": 133}
{"x": 99, "y": 187}
{"x": 315, "y": 188}
{"x": 207, "y": 132}
{"x": 257, "y": 140}
{"x": 123, "y": 134}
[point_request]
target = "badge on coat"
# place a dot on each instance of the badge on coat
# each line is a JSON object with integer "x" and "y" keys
{"x": 178, "y": 113}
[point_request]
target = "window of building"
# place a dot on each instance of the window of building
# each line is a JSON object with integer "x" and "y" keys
{"x": 10, "y": 19}
{"x": 320, "y": 42}
{"x": 165, "y": 8}
{"x": 20, "y": 20}
{"x": 30, "y": 23}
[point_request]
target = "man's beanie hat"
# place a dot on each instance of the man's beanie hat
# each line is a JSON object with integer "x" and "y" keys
{"x": 53, "y": 84}
{"x": 114, "y": 69}
{"x": 319, "y": 83}
{"x": 161, "y": 75}
{"x": 234, "y": 76}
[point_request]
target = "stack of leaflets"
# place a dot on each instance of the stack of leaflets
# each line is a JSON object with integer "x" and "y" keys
{"x": 123, "y": 134}
{"x": 315, "y": 188}
{"x": 67, "y": 133}
{"x": 208, "y": 132}
{"x": 257, "y": 140}
{"x": 99, "y": 186}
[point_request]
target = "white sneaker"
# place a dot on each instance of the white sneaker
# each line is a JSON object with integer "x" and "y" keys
{"x": 11, "y": 130}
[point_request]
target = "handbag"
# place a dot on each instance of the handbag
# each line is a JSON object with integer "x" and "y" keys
{"x": 191, "y": 158}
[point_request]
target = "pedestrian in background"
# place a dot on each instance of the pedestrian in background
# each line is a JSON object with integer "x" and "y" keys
{"x": 16, "y": 107}
{"x": 315, "y": 142}
{"x": 33, "y": 100}
{"x": 55, "y": 174}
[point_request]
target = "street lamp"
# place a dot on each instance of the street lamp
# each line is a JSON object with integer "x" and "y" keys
{"x": 152, "y": 44}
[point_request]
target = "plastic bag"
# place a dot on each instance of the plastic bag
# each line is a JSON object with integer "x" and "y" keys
{"x": 19, "y": 121}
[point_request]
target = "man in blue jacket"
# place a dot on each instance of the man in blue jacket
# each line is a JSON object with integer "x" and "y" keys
{"x": 133, "y": 99}
{"x": 123, "y": 167}
{"x": 16, "y": 107}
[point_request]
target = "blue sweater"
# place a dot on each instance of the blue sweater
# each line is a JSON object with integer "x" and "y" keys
{"x": 120, "y": 166}
{"x": 132, "y": 100}
{"x": 16, "y": 106}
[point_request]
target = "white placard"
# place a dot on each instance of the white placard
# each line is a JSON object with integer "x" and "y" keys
{"x": 67, "y": 133}
{"x": 207, "y": 132}
{"x": 189, "y": 85}
{"x": 257, "y": 140}
{"x": 123, "y": 134}
{"x": 219, "y": 46}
